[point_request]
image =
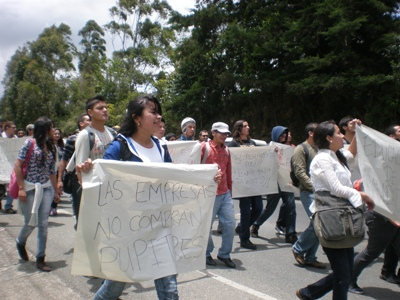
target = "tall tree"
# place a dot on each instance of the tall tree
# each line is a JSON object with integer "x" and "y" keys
{"x": 289, "y": 62}
{"x": 143, "y": 41}
{"x": 36, "y": 77}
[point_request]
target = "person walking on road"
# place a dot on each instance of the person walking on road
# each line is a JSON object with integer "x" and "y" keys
{"x": 36, "y": 189}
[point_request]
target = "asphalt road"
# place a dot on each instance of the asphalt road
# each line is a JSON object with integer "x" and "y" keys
{"x": 270, "y": 272}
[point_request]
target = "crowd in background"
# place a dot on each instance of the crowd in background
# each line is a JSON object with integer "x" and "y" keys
{"x": 322, "y": 168}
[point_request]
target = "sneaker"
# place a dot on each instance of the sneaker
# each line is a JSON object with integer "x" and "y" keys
{"x": 316, "y": 264}
{"x": 279, "y": 230}
{"x": 299, "y": 258}
{"x": 355, "y": 289}
{"x": 300, "y": 296}
{"x": 210, "y": 261}
{"x": 254, "y": 231}
{"x": 391, "y": 278}
{"x": 227, "y": 261}
{"x": 248, "y": 245}
{"x": 291, "y": 239}
{"x": 10, "y": 211}
{"x": 22, "y": 252}
{"x": 53, "y": 212}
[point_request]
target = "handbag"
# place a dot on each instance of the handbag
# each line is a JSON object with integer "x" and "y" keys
{"x": 13, "y": 187}
{"x": 69, "y": 180}
{"x": 337, "y": 223}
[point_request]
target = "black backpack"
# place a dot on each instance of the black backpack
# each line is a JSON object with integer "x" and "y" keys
{"x": 295, "y": 180}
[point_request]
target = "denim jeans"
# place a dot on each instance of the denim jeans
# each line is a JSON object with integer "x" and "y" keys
{"x": 9, "y": 201}
{"x": 250, "y": 209}
{"x": 43, "y": 216}
{"x": 166, "y": 288}
{"x": 307, "y": 243}
{"x": 223, "y": 207}
{"x": 290, "y": 210}
{"x": 341, "y": 261}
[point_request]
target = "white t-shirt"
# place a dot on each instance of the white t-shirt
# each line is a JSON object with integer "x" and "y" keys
{"x": 101, "y": 141}
{"x": 328, "y": 174}
{"x": 147, "y": 154}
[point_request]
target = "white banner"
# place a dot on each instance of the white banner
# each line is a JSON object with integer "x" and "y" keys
{"x": 9, "y": 149}
{"x": 284, "y": 153}
{"x": 254, "y": 171}
{"x": 379, "y": 162}
{"x": 142, "y": 221}
{"x": 184, "y": 152}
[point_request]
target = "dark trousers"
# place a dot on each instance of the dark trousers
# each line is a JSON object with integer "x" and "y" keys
{"x": 290, "y": 210}
{"x": 250, "y": 209}
{"x": 338, "y": 281}
{"x": 76, "y": 198}
{"x": 382, "y": 234}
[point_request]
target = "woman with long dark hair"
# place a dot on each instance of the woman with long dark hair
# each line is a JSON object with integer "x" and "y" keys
{"x": 59, "y": 146}
{"x": 250, "y": 207}
{"x": 330, "y": 177}
{"x": 36, "y": 190}
{"x": 142, "y": 119}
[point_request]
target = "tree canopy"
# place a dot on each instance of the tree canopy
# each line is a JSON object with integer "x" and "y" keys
{"x": 269, "y": 62}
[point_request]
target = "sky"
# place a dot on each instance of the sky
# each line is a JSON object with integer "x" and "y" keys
{"x": 22, "y": 21}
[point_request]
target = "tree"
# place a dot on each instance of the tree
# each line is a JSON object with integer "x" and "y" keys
{"x": 289, "y": 62}
{"x": 35, "y": 82}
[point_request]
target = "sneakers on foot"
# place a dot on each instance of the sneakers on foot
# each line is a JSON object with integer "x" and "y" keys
{"x": 248, "y": 245}
{"x": 227, "y": 261}
{"x": 291, "y": 239}
{"x": 391, "y": 278}
{"x": 355, "y": 289}
{"x": 279, "y": 230}
{"x": 53, "y": 212}
{"x": 210, "y": 261}
{"x": 10, "y": 211}
{"x": 300, "y": 296}
{"x": 299, "y": 258}
{"x": 41, "y": 265}
{"x": 316, "y": 264}
{"x": 22, "y": 252}
{"x": 254, "y": 231}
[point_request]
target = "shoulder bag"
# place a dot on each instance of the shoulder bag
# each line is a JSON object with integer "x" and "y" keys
{"x": 337, "y": 223}
{"x": 13, "y": 187}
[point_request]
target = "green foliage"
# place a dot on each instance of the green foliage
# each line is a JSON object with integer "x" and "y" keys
{"x": 289, "y": 63}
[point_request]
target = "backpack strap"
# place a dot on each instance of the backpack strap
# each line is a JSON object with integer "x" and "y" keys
{"x": 307, "y": 154}
{"x": 124, "y": 153}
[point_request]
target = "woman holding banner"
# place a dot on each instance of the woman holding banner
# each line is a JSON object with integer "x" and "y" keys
{"x": 36, "y": 189}
{"x": 135, "y": 142}
{"x": 250, "y": 207}
{"x": 334, "y": 196}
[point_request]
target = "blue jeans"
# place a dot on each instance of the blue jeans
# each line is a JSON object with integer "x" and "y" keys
{"x": 250, "y": 209}
{"x": 223, "y": 207}
{"x": 9, "y": 201}
{"x": 43, "y": 216}
{"x": 166, "y": 288}
{"x": 341, "y": 261}
{"x": 307, "y": 243}
{"x": 290, "y": 210}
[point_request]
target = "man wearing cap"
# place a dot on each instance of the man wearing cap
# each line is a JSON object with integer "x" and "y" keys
{"x": 188, "y": 126}
{"x": 215, "y": 152}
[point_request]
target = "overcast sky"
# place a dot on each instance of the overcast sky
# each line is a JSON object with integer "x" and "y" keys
{"x": 22, "y": 21}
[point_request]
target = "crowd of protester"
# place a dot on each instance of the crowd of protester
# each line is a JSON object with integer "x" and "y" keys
{"x": 323, "y": 168}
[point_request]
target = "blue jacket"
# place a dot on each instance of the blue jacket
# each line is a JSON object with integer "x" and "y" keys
{"x": 277, "y": 132}
{"x": 114, "y": 149}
